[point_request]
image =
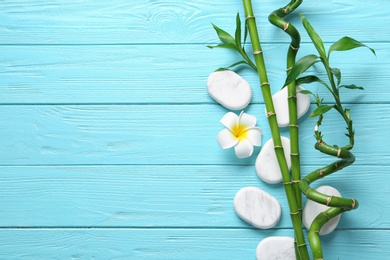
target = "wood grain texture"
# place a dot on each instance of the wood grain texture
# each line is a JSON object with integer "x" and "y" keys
{"x": 165, "y": 196}
{"x": 161, "y": 134}
{"x": 169, "y": 21}
{"x": 175, "y": 74}
{"x": 108, "y": 138}
{"x": 172, "y": 243}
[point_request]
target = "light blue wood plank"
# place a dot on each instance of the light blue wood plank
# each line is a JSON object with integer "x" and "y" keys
{"x": 122, "y": 144}
{"x": 161, "y": 134}
{"x": 173, "y": 244}
{"x": 170, "y": 21}
{"x": 162, "y": 74}
{"x": 166, "y": 196}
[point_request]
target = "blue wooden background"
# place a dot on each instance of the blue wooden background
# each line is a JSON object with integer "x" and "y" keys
{"x": 107, "y": 134}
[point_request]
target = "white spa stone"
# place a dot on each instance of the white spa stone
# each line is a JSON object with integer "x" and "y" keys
{"x": 281, "y": 105}
{"x": 276, "y": 248}
{"x": 257, "y": 207}
{"x": 312, "y": 209}
{"x": 267, "y": 167}
{"x": 229, "y": 89}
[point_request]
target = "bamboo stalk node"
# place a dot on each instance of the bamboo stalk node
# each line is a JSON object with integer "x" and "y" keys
{"x": 287, "y": 183}
{"x": 294, "y": 213}
{"x": 269, "y": 114}
{"x": 328, "y": 200}
{"x": 301, "y": 245}
{"x": 296, "y": 181}
{"x": 288, "y": 69}
{"x": 337, "y": 166}
{"x": 321, "y": 172}
{"x": 338, "y": 152}
{"x": 353, "y": 203}
{"x": 307, "y": 192}
{"x": 292, "y": 96}
{"x": 257, "y": 52}
{"x": 250, "y": 17}
{"x": 326, "y": 215}
{"x": 294, "y": 48}
{"x": 294, "y": 154}
{"x": 264, "y": 84}
{"x": 285, "y": 10}
{"x": 285, "y": 27}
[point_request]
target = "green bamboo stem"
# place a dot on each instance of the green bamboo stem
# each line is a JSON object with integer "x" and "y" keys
{"x": 337, "y": 204}
{"x": 272, "y": 120}
{"x": 276, "y": 19}
{"x": 318, "y": 222}
{"x": 347, "y": 158}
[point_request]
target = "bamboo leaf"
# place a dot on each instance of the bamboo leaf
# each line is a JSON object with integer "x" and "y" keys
{"x": 224, "y": 36}
{"x": 347, "y": 43}
{"x": 352, "y": 86}
{"x": 315, "y": 38}
{"x": 242, "y": 62}
{"x": 245, "y": 33}
{"x": 238, "y": 31}
{"x": 310, "y": 79}
{"x": 224, "y": 45}
{"x": 300, "y": 66}
{"x": 306, "y": 92}
{"x": 337, "y": 73}
{"x": 321, "y": 110}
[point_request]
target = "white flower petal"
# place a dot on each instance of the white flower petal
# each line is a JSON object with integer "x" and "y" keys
{"x": 229, "y": 120}
{"x": 247, "y": 120}
{"x": 225, "y": 139}
{"x": 244, "y": 148}
{"x": 254, "y": 135}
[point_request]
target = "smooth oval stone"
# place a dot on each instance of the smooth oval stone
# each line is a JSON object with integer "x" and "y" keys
{"x": 229, "y": 89}
{"x": 312, "y": 209}
{"x": 281, "y": 105}
{"x": 267, "y": 167}
{"x": 257, "y": 207}
{"x": 276, "y": 248}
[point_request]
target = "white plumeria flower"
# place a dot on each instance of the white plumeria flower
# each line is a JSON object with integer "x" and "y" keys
{"x": 240, "y": 133}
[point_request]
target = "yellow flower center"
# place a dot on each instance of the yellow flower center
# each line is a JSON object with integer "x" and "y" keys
{"x": 239, "y": 131}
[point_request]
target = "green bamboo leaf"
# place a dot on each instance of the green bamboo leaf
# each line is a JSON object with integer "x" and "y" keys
{"x": 224, "y": 45}
{"x": 300, "y": 66}
{"x": 242, "y": 62}
{"x": 352, "y": 86}
{"x": 337, "y": 73}
{"x": 321, "y": 110}
{"x": 245, "y": 33}
{"x": 310, "y": 79}
{"x": 315, "y": 38}
{"x": 238, "y": 31}
{"x": 306, "y": 92}
{"x": 224, "y": 36}
{"x": 347, "y": 43}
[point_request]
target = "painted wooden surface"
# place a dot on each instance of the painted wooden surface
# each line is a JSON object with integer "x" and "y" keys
{"x": 107, "y": 134}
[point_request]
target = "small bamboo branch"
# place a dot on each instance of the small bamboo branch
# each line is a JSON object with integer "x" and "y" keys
{"x": 272, "y": 120}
